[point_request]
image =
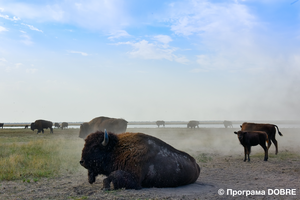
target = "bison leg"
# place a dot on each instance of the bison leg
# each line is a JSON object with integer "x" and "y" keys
{"x": 275, "y": 143}
{"x": 263, "y": 145}
{"x": 245, "y": 152}
{"x": 51, "y": 130}
{"x": 91, "y": 177}
{"x": 121, "y": 179}
{"x": 248, "y": 152}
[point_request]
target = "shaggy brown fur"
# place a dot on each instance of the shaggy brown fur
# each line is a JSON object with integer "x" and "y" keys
{"x": 268, "y": 128}
{"x": 100, "y": 123}
{"x": 40, "y": 125}
{"x": 150, "y": 161}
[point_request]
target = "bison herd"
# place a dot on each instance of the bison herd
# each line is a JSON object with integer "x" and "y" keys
{"x": 137, "y": 160}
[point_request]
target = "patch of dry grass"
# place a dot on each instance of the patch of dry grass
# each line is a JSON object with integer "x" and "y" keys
{"x": 35, "y": 156}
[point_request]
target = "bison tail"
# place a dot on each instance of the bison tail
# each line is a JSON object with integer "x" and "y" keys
{"x": 278, "y": 130}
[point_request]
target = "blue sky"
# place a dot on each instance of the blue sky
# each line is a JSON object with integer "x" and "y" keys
{"x": 143, "y": 60}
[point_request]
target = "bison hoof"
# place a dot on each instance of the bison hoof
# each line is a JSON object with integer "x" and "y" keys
{"x": 106, "y": 189}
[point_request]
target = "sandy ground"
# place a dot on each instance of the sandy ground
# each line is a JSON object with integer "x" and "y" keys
{"x": 220, "y": 157}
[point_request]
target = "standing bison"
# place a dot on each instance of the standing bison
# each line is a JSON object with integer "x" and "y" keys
{"x": 268, "y": 128}
{"x": 193, "y": 124}
{"x": 100, "y": 123}
{"x": 1, "y": 125}
{"x": 136, "y": 160}
{"x": 56, "y": 125}
{"x": 64, "y": 125}
{"x": 227, "y": 124}
{"x": 253, "y": 138}
{"x": 40, "y": 125}
{"x": 160, "y": 123}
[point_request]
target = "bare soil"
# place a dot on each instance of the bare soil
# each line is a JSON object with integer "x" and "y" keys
{"x": 219, "y": 155}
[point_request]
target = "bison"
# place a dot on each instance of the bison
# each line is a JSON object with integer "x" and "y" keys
{"x": 100, "y": 123}
{"x": 193, "y": 124}
{"x": 1, "y": 125}
{"x": 64, "y": 125}
{"x": 160, "y": 123}
{"x": 253, "y": 138}
{"x": 227, "y": 124}
{"x": 40, "y": 125}
{"x": 136, "y": 160}
{"x": 268, "y": 128}
{"x": 56, "y": 125}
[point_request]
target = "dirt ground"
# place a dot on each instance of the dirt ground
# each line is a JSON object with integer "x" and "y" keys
{"x": 220, "y": 157}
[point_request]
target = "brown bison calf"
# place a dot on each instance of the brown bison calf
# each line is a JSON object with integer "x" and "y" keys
{"x": 253, "y": 138}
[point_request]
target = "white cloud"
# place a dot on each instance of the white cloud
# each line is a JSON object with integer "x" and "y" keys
{"x": 117, "y": 34}
{"x": 15, "y": 67}
{"x": 3, "y": 29}
{"x": 26, "y": 39}
{"x": 3, "y": 59}
{"x": 79, "y": 52}
{"x": 8, "y": 18}
{"x": 163, "y": 38}
{"x": 92, "y": 14}
{"x": 202, "y": 17}
{"x": 156, "y": 51}
{"x": 32, "y": 27}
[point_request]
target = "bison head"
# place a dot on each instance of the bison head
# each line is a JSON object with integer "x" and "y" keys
{"x": 97, "y": 153}
{"x": 241, "y": 135}
{"x": 32, "y": 126}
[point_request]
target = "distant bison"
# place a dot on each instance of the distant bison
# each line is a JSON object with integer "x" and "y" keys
{"x": 268, "y": 128}
{"x": 160, "y": 123}
{"x": 1, "y": 125}
{"x": 136, "y": 160}
{"x": 64, "y": 125}
{"x": 100, "y": 123}
{"x": 227, "y": 124}
{"x": 40, "y": 125}
{"x": 26, "y": 126}
{"x": 56, "y": 125}
{"x": 193, "y": 124}
{"x": 253, "y": 138}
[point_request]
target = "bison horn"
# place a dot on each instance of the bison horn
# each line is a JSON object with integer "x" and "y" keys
{"x": 105, "y": 141}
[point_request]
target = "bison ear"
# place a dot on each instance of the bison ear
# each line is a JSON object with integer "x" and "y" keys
{"x": 105, "y": 141}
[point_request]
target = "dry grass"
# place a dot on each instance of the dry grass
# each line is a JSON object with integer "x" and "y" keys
{"x": 24, "y": 154}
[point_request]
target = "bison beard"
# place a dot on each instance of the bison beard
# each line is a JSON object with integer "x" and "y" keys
{"x": 136, "y": 160}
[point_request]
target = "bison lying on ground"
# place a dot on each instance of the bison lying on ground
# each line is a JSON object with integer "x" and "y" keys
{"x": 268, "y": 128}
{"x": 40, "y": 125}
{"x": 193, "y": 124}
{"x": 253, "y": 138}
{"x": 136, "y": 160}
{"x": 160, "y": 123}
{"x": 100, "y": 123}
